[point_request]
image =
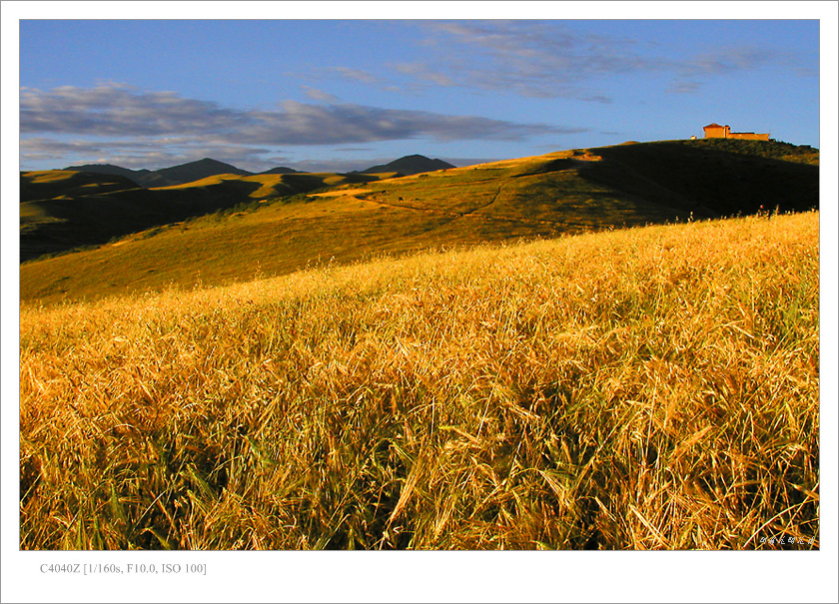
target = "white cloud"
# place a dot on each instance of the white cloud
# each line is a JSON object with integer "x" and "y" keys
{"x": 319, "y": 95}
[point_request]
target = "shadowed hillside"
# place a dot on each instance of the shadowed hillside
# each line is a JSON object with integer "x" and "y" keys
{"x": 802, "y": 154}
{"x": 63, "y": 184}
{"x": 63, "y": 223}
{"x": 63, "y": 210}
{"x": 708, "y": 177}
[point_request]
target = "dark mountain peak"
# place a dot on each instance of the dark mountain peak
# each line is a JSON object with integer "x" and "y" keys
{"x": 195, "y": 170}
{"x": 411, "y": 164}
{"x": 105, "y": 169}
{"x": 136, "y": 176}
{"x": 208, "y": 163}
{"x": 280, "y": 170}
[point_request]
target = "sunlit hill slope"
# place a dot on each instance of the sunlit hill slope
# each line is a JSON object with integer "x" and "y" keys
{"x": 64, "y": 210}
{"x": 283, "y": 222}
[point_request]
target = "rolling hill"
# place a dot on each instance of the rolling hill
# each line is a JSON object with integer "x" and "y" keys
{"x": 410, "y": 164}
{"x": 138, "y": 177}
{"x": 192, "y": 171}
{"x": 64, "y": 184}
{"x": 303, "y": 219}
{"x": 63, "y": 210}
{"x": 174, "y": 175}
{"x": 280, "y": 170}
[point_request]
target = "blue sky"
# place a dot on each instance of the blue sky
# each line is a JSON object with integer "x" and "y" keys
{"x": 345, "y": 94}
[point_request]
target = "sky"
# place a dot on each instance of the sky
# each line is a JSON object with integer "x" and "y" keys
{"x": 340, "y": 95}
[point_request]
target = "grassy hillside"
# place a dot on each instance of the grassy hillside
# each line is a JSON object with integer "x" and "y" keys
{"x": 718, "y": 176}
{"x": 802, "y": 154}
{"x": 63, "y": 184}
{"x": 64, "y": 210}
{"x": 360, "y": 217}
{"x": 650, "y": 388}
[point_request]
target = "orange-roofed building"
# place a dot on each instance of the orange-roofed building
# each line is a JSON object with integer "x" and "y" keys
{"x": 716, "y": 131}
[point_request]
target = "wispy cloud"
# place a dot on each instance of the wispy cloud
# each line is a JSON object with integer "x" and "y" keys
{"x": 530, "y": 58}
{"x": 423, "y": 72}
{"x": 547, "y": 59}
{"x": 319, "y": 95}
{"x": 684, "y": 87}
{"x": 727, "y": 59}
{"x": 305, "y": 124}
{"x": 357, "y": 75}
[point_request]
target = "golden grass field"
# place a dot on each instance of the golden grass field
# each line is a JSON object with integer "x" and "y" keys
{"x": 647, "y": 388}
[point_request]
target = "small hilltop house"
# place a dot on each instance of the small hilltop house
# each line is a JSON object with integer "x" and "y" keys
{"x": 716, "y": 131}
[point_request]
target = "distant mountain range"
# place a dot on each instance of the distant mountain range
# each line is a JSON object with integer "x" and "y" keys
{"x": 165, "y": 177}
{"x": 189, "y": 172}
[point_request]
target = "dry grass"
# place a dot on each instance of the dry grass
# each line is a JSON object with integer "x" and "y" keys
{"x": 653, "y": 388}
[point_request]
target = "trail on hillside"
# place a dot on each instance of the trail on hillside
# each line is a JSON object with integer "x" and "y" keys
{"x": 486, "y": 205}
{"x": 489, "y": 217}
